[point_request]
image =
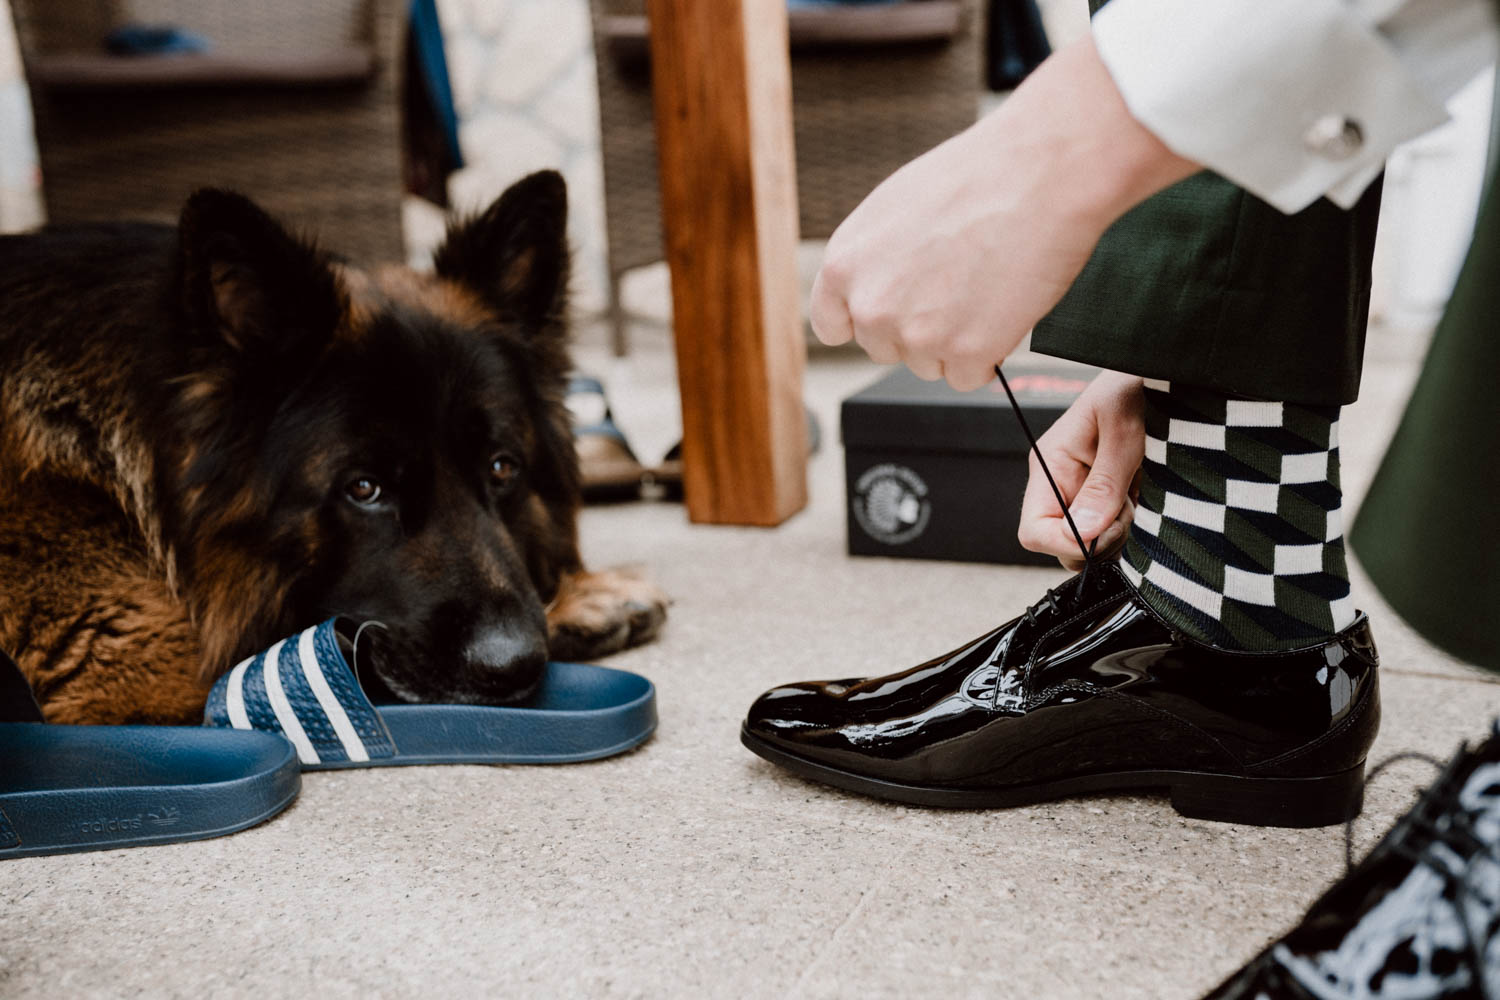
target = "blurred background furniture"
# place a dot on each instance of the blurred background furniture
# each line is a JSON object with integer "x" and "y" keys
{"x": 872, "y": 87}
{"x": 294, "y": 103}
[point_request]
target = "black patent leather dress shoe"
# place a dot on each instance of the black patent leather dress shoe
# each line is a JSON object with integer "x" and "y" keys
{"x": 1090, "y": 691}
{"x": 1416, "y": 919}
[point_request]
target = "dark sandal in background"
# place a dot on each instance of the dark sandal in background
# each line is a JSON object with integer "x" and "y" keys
{"x": 607, "y": 465}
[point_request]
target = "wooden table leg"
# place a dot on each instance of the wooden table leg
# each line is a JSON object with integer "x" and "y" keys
{"x": 722, "y": 85}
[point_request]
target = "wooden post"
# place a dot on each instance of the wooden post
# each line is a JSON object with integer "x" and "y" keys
{"x": 722, "y": 84}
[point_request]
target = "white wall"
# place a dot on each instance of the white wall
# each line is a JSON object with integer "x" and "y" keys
{"x": 20, "y": 196}
{"x": 1432, "y": 190}
{"x": 524, "y": 85}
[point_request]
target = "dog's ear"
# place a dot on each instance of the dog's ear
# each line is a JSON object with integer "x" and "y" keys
{"x": 515, "y": 254}
{"x": 246, "y": 279}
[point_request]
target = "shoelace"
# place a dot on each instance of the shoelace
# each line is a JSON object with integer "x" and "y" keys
{"x": 1424, "y": 823}
{"x": 1049, "y": 600}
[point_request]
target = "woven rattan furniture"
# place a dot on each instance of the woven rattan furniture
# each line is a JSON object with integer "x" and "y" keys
{"x": 872, "y": 88}
{"x": 295, "y": 104}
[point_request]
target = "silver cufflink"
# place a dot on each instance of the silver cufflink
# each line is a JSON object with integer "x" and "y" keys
{"x": 1334, "y": 137}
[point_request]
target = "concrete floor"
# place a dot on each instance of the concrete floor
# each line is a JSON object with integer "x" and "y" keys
{"x": 691, "y": 868}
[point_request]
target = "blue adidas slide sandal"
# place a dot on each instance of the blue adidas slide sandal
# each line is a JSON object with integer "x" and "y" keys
{"x": 91, "y": 788}
{"x": 303, "y": 688}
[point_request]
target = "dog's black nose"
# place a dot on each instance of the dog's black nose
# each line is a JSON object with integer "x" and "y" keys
{"x": 506, "y": 662}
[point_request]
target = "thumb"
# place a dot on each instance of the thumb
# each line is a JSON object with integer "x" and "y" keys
{"x": 1104, "y": 492}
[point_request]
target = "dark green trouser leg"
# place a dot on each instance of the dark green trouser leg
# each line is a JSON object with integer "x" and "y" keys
{"x": 1207, "y": 285}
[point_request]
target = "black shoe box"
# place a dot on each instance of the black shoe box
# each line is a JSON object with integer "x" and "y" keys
{"x": 932, "y": 473}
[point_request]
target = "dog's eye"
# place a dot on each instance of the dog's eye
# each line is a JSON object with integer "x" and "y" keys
{"x": 364, "y": 491}
{"x": 503, "y": 470}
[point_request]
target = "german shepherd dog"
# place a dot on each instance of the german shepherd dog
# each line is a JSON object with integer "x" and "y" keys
{"x": 216, "y": 435}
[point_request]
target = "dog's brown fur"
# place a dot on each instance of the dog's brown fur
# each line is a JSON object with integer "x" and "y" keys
{"x": 129, "y": 580}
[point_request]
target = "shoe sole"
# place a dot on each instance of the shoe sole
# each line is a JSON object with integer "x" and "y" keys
{"x": 1225, "y": 798}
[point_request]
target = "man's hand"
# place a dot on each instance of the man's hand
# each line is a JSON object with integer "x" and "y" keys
{"x": 949, "y": 263}
{"x": 1094, "y": 451}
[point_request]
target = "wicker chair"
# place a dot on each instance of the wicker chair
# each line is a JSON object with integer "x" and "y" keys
{"x": 295, "y": 104}
{"x": 872, "y": 88}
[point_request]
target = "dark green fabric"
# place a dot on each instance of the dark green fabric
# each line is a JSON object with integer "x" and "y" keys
{"x": 1427, "y": 532}
{"x": 1207, "y": 285}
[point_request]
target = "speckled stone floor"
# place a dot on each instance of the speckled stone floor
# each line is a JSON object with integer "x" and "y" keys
{"x": 691, "y": 868}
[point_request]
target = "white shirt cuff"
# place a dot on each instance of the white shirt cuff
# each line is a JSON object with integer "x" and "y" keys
{"x": 1290, "y": 99}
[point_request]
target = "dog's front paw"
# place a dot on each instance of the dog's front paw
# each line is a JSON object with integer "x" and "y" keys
{"x": 596, "y": 614}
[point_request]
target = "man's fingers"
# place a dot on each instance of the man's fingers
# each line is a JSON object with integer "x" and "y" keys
{"x": 1097, "y": 503}
{"x": 966, "y": 376}
{"x": 829, "y": 313}
{"x": 882, "y": 350}
{"x": 926, "y": 369}
{"x": 1037, "y": 505}
{"x": 1106, "y": 490}
{"x": 1049, "y": 536}
{"x": 1059, "y": 541}
{"x": 1113, "y": 538}
{"x": 1042, "y": 527}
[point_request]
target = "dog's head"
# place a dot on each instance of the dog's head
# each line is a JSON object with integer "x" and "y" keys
{"x": 384, "y": 445}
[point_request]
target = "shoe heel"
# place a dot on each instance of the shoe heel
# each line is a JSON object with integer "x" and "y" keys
{"x": 1290, "y": 802}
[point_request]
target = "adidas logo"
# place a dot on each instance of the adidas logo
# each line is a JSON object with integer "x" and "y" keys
{"x": 164, "y": 816}
{"x": 117, "y": 824}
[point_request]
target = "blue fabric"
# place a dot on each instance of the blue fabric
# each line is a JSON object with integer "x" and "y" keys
{"x": 426, "y": 33}
{"x": 257, "y": 705}
{"x": 588, "y": 385}
{"x": 1017, "y": 42}
{"x": 316, "y": 724}
{"x": 299, "y": 694}
{"x": 215, "y": 713}
{"x": 153, "y": 40}
{"x": 346, "y": 689}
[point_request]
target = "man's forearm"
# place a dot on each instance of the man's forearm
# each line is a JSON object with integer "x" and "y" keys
{"x": 1071, "y": 115}
{"x": 952, "y": 259}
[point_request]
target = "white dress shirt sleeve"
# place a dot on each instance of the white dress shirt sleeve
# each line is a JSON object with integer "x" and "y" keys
{"x": 1293, "y": 99}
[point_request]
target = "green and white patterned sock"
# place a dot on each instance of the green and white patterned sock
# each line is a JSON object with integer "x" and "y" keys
{"x": 1238, "y": 538}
